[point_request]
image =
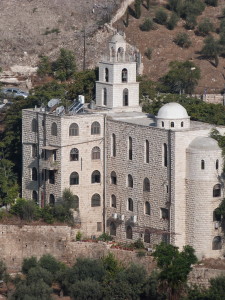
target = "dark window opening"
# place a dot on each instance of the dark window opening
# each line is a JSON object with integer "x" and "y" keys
{"x": 217, "y": 243}
{"x": 35, "y": 196}
{"x": 74, "y": 154}
{"x": 124, "y": 75}
{"x": 34, "y": 174}
{"x": 96, "y": 153}
{"x": 202, "y": 164}
{"x": 146, "y": 185}
{"x": 217, "y": 164}
{"x": 129, "y": 233}
{"x": 34, "y": 150}
{"x": 74, "y": 178}
{"x": 217, "y": 190}
{"x": 182, "y": 124}
{"x": 113, "y": 145}
{"x": 130, "y": 154}
{"x": 51, "y": 176}
{"x": 147, "y": 236}
{"x": 147, "y": 151}
{"x": 95, "y": 128}
{"x": 54, "y": 129}
{"x": 112, "y": 229}
{"x": 34, "y": 125}
{"x": 105, "y": 96}
{"x": 164, "y": 213}
{"x": 95, "y": 200}
{"x": 147, "y": 208}
{"x": 113, "y": 201}
{"x": 74, "y": 130}
{"x": 106, "y": 74}
{"x": 113, "y": 178}
{"x": 130, "y": 204}
{"x": 51, "y": 200}
{"x": 130, "y": 181}
{"x": 125, "y": 97}
{"x": 172, "y": 124}
{"x": 165, "y": 155}
{"x": 96, "y": 177}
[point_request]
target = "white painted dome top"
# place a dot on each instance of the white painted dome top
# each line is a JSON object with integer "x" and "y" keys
{"x": 171, "y": 111}
{"x": 204, "y": 143}
{"x": 117, "y": 38}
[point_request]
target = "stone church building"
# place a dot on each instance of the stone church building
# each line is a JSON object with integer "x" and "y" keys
{"x": 134, "y": 175}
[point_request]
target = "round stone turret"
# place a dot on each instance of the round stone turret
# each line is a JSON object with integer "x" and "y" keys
{"x": 173, "y": 116}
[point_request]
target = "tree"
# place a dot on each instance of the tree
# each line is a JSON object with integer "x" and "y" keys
{"x": 86, "y": 289}
{"x": 137, "y": 8}
{"x": 29, "y": 263}
{"x": 44, "y": 67}
{"x": 176, "y": 6}
{"x": 183, "y": 40}
{"x": 49, "y": 263}
{"x": 161, "y": 16}
{"x": 205, "y": 27}
{"x": 175, "y": 267}
{"x": 211, "y": 49}
{"x": 64, "y": 67}
{"x": 190, "y": 76}
{"x": 25, "y": 209}
{"x": 2, "y": 270}
{"x": 190, "y": 22}
{"x": 8, "y": 186}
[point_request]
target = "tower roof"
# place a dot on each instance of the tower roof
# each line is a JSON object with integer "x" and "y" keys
{"x": 204, "y": 143}
{"x": 117, "y": 38}
{"x": 172, "y": 110}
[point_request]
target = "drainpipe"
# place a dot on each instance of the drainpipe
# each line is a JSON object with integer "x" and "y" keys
{"x": 38, "y": 159}
{"x": 104, "y": 176}
{"x": 169, "y": 182}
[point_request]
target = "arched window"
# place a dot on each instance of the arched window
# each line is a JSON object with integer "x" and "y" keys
{"x": 95, "y": 200}
{"x": 95, "y": 153}
{"x": 76, "y": 202}
{"x": 106, "y": 74}
{"x": 165, "y": 155}
{"x": 34, "y": 174}
{"x": 113, "y": 201}
{"x": 125, "y": 97}
{"x": 113, "y": 178}
{"x": 130, "y": 150}
{"x": 146, "y": 185}
{"x": 34, "y": 150}
{"x": 112, "y": 229}
{"x": 35, "y": 196}
{"x": 120, "y": 53}
{"x": 129, "y": 234}
{"x": 54, "y": 129}
{"x": 182, "y": 124}
{"x": 104, "y": 96}
{"x": 217, "y": 190}
{"x": 74, "y": 154}
{"x": 51, "y": 200}
{"x": 147, "y": 236}
{"x": 162, "y": 124}
{"x": 74, "y": 178}
{"x": 217, "y": 164}
{"x": 113, "y": 145}
{"x": 147, "y": 208}
{"x": 202, "y": 164}
{"x": 217, "y": 215}
{"x": 74, "y": 129}
{"x": 130, "y": 205}
{"x": 96, "y": 177}
{"x": 124, "y": 75}
{"x": 172, "y": 124}
{"x": 147, "y": 151}
{"x": 130, "y": 181}
{"x": 217, "y": 243}
{"x": 95, "y": 128}
{"x": 34, "y": 125}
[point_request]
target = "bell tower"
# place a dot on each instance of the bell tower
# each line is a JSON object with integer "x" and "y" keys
{"x": 117, "y": 87}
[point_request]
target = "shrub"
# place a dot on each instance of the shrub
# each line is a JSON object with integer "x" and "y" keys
{"x": 47, "y": 214}
{"x": 105, "y": 237}
{"x": 139, "y": 244}
{"x": 176, "y": 5}
{"x": 182, "y": 39}
{"x": 86, "y": 289}
{"x": 39, "y": 273}
{"x": 211, "y": 2}
{"x": 205, "y": 27}
{"x": 25, "y": 209}
{"x": 2, "y": 270}
{"x": 29, "y": 263}
{"x": 191, "y": 22}
{"x": 78, "y": 236}
{"x": 148, "y": 53}
{"x": 49, "y": 263}
{"x": 161, "y": 16}
{"x": 137, "y": 8}
{"x": 195, "y": 8}
{"x": 172, "y": 22}
{"x": 147, "y": 25}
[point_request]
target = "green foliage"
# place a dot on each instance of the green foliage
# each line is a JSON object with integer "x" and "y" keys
{"x": 29, "y": 263}
{"x": 192, "y": 8}
{"x": 53, "y": 30}
{"x": 37, "y": 274}
{"x": 69, "y": 199}
{"x": 176, "y": 6}
{"x": 8, "y": 186}
{"x": 49, "y": 263}
{"x": 105, "y": 237}
{"x": 2, "y": 270}
{"x": 78, "y": 236}
{"x": 44, "y": 67}
{"x": 147, "y": 25}
{"x": 148, "y": 53}
{"x": 25, "y": 209}
{"x": 86, "y": 289}
{"x": 211, "y": 49}
{"x": 161, "y": 16}
{"x": 147, "y": 88}
{"x": 172, "y": 22}
{"x": 190, "y": 22}
{"x": 183, "y": 40}
{"x": 175, "y": 266}
{"x": 175, "y": 83}
{"x": 212, "y": 2}
{"x": 111, "y": 265}
{"x": 137, "y": 8}
{"x": 47, "y": 214}
{"x": 205, "y": 27}
{"x": 148, "y": 4}
{"x": 64, "y": 66}
{"x": 138, "y": 244}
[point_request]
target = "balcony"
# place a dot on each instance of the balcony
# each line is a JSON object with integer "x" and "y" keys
{"x": 49, "y": 164}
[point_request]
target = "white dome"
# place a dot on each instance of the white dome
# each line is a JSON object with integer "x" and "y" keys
{"x": 172, "y": 110}
{"x": 117, "y": 38}
{"x": 204, "y": 143}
